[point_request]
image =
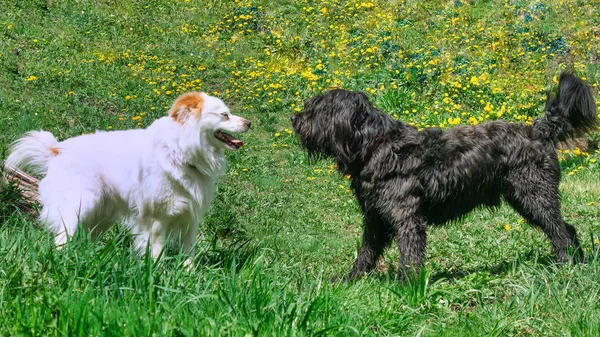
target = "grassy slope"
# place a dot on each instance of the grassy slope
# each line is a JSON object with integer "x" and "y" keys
{"x": 281, "y": 227}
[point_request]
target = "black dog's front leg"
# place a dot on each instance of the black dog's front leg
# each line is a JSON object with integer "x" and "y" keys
{"x": 376, "y": 237}
{"x": 411, "y": 233}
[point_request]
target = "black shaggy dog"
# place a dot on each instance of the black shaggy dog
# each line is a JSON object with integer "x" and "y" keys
{"x": 405, "y": 179}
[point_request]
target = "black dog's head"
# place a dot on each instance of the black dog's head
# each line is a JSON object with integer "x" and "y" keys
{"x": 341, "y": 124}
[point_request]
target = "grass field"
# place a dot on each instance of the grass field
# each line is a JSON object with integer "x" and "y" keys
{"x": 281, "y": 226}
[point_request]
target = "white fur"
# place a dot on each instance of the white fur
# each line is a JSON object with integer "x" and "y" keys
{"x": 160, "y": 180}
{"x": 34, "y": 151}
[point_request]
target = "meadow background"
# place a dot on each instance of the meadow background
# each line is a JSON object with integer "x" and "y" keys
{"x": 281, "y": 226}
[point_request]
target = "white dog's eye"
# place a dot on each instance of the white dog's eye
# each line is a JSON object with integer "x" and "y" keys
{"x": 225, "y": 114}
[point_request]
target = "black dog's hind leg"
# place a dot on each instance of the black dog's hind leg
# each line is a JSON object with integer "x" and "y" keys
{"x": 537, "y": 199}
{"x": 376, "y": 237}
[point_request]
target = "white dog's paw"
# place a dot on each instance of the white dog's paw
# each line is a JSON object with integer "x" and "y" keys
{"x": 188, "y": 264}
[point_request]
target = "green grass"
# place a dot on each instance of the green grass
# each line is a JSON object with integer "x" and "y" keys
{"x": 281, "y": 226}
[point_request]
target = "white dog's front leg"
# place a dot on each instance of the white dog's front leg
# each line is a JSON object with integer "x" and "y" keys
{"x": 156, "y": 239}
{"x": 188, "y": 241}
{"x": 149, "y": 232}
{"x": 189, "y": 238}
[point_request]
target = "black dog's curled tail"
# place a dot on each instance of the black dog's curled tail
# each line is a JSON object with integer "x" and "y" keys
{"x": 570, "y": 113}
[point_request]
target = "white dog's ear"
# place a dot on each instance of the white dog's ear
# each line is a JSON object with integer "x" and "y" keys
{"x": 187, "y": 106}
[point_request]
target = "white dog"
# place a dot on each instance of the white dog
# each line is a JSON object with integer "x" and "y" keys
{"x": 159, "y": 180}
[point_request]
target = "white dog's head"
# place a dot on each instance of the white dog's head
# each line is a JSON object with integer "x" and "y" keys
{"x": 210, "y": 116}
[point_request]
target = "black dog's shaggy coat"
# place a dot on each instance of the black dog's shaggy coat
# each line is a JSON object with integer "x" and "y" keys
{"x": 405, "y": 179}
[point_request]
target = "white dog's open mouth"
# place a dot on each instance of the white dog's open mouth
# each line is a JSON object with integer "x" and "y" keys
{"x": 231, "y": 142}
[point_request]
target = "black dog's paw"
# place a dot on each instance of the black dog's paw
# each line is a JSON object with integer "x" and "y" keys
{"x": 346, "y": 278}
{"x": 411, "y": 275}
{"x": 339, "y": 279}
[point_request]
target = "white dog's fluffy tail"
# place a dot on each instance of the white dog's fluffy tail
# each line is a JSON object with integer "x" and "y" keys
{"x": 33, "y": 152}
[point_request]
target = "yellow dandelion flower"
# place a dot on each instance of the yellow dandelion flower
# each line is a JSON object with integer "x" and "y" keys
{"x": 501, "y": 111}
{"x": 507, "y": 227}
{"x": 488, "y": 107}
{"x": 453, "y": 121}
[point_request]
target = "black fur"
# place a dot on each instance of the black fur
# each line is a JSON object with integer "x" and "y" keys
{"x": 405, "y": 179}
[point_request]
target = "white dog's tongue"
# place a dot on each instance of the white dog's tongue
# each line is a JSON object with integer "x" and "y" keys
{"x": 234, "y": 141}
